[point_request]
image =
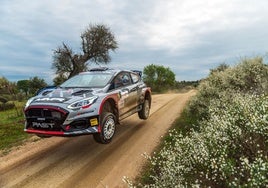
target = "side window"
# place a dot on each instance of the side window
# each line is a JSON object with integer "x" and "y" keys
{"x": 135, "y": 78}
{"x": 122, "y": 79}
{"x": 126, "y": 79}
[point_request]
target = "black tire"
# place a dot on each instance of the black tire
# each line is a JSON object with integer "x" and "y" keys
{"x": 108, "y": 126}
{"x": 145, "y": 110}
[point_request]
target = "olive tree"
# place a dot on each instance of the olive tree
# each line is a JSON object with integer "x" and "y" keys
{"x": 96, "y": 43}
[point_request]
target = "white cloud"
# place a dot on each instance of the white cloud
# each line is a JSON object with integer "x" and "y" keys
{"x": 180, "y": 34}
{"x": 180, "y": 24}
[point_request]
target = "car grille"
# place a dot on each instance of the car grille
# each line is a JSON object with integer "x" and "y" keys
{"x": 45, "y": 118}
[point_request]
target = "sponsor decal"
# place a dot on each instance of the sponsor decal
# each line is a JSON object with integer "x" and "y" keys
{"x": 50, "y": 99}
{"x": 43, "y": 125}
{"x": 94, "y": 122}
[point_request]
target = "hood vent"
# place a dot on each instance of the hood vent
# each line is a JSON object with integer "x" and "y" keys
{"x": 81, "y": 92}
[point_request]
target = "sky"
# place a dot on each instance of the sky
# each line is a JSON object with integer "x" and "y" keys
{"x": 188, "y": 36}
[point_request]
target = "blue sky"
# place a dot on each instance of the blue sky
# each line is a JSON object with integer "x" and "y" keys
{"x": 188, "y": 36}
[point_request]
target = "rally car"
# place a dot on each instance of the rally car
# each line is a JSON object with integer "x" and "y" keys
{"x": 91, "y": 102}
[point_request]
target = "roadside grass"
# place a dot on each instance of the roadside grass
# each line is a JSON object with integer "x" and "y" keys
{"x": 11, "y": 127}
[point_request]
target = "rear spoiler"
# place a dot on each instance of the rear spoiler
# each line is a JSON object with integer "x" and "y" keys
{"x": 137, "y": 72}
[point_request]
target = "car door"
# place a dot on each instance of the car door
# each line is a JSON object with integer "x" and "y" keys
{"x": 131, "y": 101}
{"x": 137, "y": 87}
{"x": 122, "y": 84}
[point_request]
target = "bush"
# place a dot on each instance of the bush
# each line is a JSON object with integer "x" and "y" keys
{"x": 6, "y": 97}
{"x": 228, "y": 144}
{"x": 6, "y": 106}
{"x": 230, "y": 150}
{"x": 249, "y": 76}
{"x": 3, "y": 100}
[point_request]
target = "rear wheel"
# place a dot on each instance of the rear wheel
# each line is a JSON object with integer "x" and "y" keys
{"x": 145, "y": 110}
{"x": 108, "y": 126}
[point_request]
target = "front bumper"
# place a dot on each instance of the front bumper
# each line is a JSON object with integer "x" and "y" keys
{"x": 55, "y": 121}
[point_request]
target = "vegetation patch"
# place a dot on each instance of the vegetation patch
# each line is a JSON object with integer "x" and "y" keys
{"x": 11, "y": 127}
{"x": 222, "y": 137}
{"x": 12, "y": 100}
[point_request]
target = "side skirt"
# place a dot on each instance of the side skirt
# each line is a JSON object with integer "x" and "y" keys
{"x": 131, "y": 112}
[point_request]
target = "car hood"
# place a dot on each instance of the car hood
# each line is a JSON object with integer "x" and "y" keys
{"x": 63, "y": 95}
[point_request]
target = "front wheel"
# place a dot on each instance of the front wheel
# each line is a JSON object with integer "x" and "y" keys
{"x": 108, "y": 125}
{"x": 145, "y": 110}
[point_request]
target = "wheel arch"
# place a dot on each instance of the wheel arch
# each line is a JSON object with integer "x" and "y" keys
{"x": 113, "y": 102}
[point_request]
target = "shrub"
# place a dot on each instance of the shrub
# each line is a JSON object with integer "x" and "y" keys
{"x": 230, "y": 150}
{"x": 249, "y": 76}
{"x": 228, "y": 144}
{"x": 6, "y": 106}
{"x": 3, "y": 100}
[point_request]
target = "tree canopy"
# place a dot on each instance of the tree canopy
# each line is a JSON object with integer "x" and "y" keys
{"x": 96, "y": 43}
{"x": 19, "y": 90}
{"x": 158, "y": 77}
{"x": 35, "y": 84}
{"x": 23, "y": 85}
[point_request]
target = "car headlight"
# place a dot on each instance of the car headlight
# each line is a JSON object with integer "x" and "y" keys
{"x": 85, "y": 103}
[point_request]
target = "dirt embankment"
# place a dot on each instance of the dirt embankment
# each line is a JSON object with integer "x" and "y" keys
{"x": 80, "y": 162}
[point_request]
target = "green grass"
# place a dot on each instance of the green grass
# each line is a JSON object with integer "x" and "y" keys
{"x": 11, "y": 127}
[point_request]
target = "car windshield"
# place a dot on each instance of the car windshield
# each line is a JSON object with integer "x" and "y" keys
{"x": 91, "y": 80}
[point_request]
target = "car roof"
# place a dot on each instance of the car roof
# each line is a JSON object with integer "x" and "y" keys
{"x": 108, "y": 70}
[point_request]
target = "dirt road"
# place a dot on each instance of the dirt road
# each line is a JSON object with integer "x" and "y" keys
{"x": 80, "y": 162}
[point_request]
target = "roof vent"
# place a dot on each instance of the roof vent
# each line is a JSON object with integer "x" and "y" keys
{"x": 99, "y": 69}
